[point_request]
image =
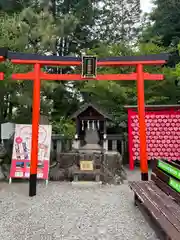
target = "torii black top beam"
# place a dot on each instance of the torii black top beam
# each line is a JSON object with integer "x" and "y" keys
{"x": 4, "y": 52}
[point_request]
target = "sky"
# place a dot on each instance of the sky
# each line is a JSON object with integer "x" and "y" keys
{"x": 146, "y": 5}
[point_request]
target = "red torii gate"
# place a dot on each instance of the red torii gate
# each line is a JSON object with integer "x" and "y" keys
{"x": 37, "y": 75}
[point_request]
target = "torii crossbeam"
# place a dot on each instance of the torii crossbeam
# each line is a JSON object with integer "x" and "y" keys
{"x": 38, "y": 61}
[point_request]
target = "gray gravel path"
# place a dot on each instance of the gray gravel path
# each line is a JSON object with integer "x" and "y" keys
{"x": 61, "y": 211}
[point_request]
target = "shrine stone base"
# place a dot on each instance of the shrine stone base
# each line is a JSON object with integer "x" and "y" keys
{"x": 109, "y": 164}
{"x": 86, "y": 183}
{"x": 87, "y": 175}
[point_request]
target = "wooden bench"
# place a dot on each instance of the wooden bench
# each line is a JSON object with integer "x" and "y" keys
{"x": 159, "y": 199}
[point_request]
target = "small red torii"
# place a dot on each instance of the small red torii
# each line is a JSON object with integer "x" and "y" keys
{"x": 37, "y": 75}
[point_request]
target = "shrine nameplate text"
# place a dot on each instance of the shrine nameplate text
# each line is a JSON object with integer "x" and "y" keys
{"x": 86, "y": 165}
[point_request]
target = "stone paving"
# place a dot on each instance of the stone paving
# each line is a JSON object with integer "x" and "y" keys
{"x": 61, "y": 211}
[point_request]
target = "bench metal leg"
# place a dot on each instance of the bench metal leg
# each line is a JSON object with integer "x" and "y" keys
{"x": 135, "y": 199}
{"x": 10, "y": 180}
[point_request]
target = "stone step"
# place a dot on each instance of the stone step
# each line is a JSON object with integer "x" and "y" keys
{"x": 88, "y": 172}
{"x": 86, "y": 183}
{"x": 82, "y": 175}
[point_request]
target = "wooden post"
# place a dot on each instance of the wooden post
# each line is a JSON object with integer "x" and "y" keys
{"x": 78, "y": 127}
{"x": 114, "y": 145}
{"x": 122, "y": 148}
{"x": 105, "y": 127}
{"x": 142, "y": 123}
{"x": 35, "y": 130}
{"x": 58, "y": 148}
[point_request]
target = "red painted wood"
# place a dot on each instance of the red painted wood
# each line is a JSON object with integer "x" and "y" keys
{"x": 142, "y": 124}
{"x": 131, "y": 63}
{"x": 78, "y": 77}
{"x": 76, "y": 63}
{"x": 35, "y": 119}
{"x": 163, "y": 134}
{"x": 47, "y": 63}
{"x": 1, "y": 76}
{"x": 23, "y": 76}
{"x": 148, "y": 76}
{"x": 130, "y": 145}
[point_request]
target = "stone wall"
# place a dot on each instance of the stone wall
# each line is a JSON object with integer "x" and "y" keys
{"x": 110, "y": 164}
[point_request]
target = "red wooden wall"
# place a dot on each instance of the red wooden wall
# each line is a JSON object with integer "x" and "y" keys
{"x": 163, "y": 135}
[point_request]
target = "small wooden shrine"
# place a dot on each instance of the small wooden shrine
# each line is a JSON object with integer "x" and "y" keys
{"x": 96, "y": 153}
{"x": 92, "y": 117}
{"x": 91, "y": 144}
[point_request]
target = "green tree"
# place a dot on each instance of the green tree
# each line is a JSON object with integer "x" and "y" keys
{"x": 26, "y": 32}
{"x": 159, "y": 92}
{"x": 118, "y": 21}
{"x": 14, "y": 6}
{"x": 165, "y": 22}
{"x": 84, "y": 12}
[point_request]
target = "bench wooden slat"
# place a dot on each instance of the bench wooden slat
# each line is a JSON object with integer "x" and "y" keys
{"x": 160, "y": 199}
{"x": 167, "y": 189}
{"x": 172, "y": 164}
{"x": 168, "y": 199}
{"x": 175, "y": 168}
{"x": 165, "y": 178}
{"x": 160, "y": 203}
{"x": 160, "y": 174}
{"x": 166, "y": 225}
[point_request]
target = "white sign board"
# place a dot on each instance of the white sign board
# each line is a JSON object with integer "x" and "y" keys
{"x": 7, "y": 130}
{"x": 21, "y": 157}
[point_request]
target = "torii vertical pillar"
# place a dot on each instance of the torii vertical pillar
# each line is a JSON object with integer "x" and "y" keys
{"x": 142, "y": 123}
{"x": 35, "y": 130}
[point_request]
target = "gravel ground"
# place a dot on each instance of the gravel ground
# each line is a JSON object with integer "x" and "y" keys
{"x": 61, "y": 211}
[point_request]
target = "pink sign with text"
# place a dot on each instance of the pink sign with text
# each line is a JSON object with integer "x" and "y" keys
{"x": 21, "y": 156}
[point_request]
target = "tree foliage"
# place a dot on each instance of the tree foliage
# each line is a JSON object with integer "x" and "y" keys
{"x": 165, "y": 22}
{"x": 118, "y": 20}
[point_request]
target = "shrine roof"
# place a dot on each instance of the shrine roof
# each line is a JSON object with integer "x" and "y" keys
{"x": 31, "y": 56}
{"x": 164, "y": 106}
{"x": 86, "y": 106}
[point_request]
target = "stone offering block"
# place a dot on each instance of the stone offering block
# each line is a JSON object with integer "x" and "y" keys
{"x": 86, "y": 166}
